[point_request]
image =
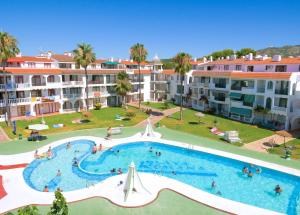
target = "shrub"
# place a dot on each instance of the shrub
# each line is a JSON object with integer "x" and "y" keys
{"x": 98, "y": 106}
{"x": 130, "y": 113}
{"x": 166, "y": 105}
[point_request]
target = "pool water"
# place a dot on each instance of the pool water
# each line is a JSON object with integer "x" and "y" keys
{"x": 192, "y": 167}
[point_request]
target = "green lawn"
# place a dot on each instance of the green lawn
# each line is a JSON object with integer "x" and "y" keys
{"x": 98, "y": 119}
{"x": 294, "y": 144}
{"x": 247, "y": 133}
{"x": 168, "y": 202}
{"x": 158, "y": 105}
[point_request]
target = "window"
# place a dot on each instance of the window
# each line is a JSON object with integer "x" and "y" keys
{"x": 93, "y": 66}
{"x": 250, "y": 68}
{"x": 226, "y": 67}
{"x": 19, "y": 79}
{"x": 270, "y": 85}
{"x": 280, "y": 68}
{"x": 282, "y": 102}
{"x": 47, "y": 65}
{"x": 36, "y": 93}
{"x": 51, "y": 79}
{"x": 238, "y": 67}
{"x": 269, "y": 67}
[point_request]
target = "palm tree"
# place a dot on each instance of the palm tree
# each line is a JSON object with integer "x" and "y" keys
{"x": 182, "y": 66}
{"x": 83, "y": 57}
{"x": 123, "y": 86}
{"x": 8, "y": 48}
{"x": 139, "y": 54}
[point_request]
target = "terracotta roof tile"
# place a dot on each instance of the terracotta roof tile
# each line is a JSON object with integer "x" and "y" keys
{"x": 245, "y": 75}
{"x": 62, "y": 58}
{"x": 28, "y": 59}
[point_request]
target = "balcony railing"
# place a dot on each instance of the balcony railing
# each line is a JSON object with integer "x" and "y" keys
{"x": 73, "y": 96}
{"x": 277, "y": 108}
{"x": 15, "y": 101}
{"x": 260, "y": 89}
{"x": 96, "y": 82}
{"x": 282, "y": 91}
{"x": 220, "y": 85}
{"x": 72, "y": 83}
{"x": 38, "y": 84}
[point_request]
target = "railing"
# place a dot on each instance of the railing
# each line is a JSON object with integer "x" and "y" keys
{"x": 97, "y": 82}
{"x": 72, "y": 96}
{"x": 15, "y": 101}
{"x": 72, "y": 83}
{"x": 53, "y": 84}
{"x": 218, "y": 85}
{"x": 260, "y": 90}
{"x": 282, "y": 91}
{"x": 277, "y": 108}
{"x": 39, "y": 84}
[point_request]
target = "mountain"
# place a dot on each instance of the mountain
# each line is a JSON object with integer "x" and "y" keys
{"x": 284, "y": 51}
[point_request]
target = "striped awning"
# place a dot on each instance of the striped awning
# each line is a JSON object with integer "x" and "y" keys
{"x": 234, "y": 95}
{"x": 241, "y": 111}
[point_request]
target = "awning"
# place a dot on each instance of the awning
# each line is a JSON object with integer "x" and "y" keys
{"x": 249, "y": 98}
{"x": 241, "y": 111}
{"x": 111, "y": 63}
{"x": 234, "y": 95}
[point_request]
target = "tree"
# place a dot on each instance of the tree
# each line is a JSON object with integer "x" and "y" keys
{"x": 123, "y": 86}
{"x": 139, "y": 54}
{"x": 223, "y": 53}
{"x": 182, "y": 66}
{"x": 245, "y": 51}
{"x": 83, "y": 57}
{"x": 29, "y": 210}
{"x": 8, "y": 49}
{"x": 59, "y": 205}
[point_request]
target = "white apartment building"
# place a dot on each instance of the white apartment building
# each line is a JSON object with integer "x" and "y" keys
{"x": 51, "y": 83}
{"x": 258, "y": 90}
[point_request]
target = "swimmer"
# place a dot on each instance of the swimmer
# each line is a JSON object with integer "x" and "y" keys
{"x": 159, "y": 153}
{"x": 213, "y": 184}
{"x": 120, "y": 171}
{"x": 113, "y": 170}
{"x": 94, "y": 150}
{"x": 245, "y": 170}
{"x": 100, "y": 148}
{"x": 219, "y": 193}
{"x": 49, "y": 153}
{"x": 258, "y": 170}
{"x": 68, "y": 145}
{"x": 75, "y": 163}
{"x": 58, "y": 173}
{"x": 278, "y": 190}
{"x": 151, "y": 149}
{"x": 250, "y": 174}
{"x": 46, "y": 189}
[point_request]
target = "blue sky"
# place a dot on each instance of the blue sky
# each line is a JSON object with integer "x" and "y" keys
{"x": 164, "y": 27}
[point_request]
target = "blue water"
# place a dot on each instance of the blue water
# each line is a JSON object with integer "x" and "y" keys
{"x": 195, "y": 168}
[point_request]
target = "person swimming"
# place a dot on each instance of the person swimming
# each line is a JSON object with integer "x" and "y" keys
{"x": 120, "y": 171}
{"x": 94, "y": 149}
{"x": 245, "y": 170}
{"x": 250, "y": 174}
{"x": 258, "y": 170}
{"x": 58, "y": 173}
{"x": 159, "y": 153}
{"x": 219, "y": 193}
{"x": 173, "y": 172}
{"x": 68, "y": 145}
{"x": 151, "y": 149}
{"x": 75, "y": 163}
{"x": 213, "y": 184}
{"x": 113, "y": 170}
{"x": 278, "y": 190}
{"x": 100, "y": 147}
{"x": 49, "y": 153}
{"x": 46, "y": 189}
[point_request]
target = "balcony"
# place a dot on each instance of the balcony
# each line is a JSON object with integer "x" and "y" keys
{"x": 54, "y": 84}
{"x": 73, "y": 96}
{"x": 72, "y": 83}
{"x": 279, "y": 109}
{"x": 220, "y": 85}
{"x": 38, "y": 84}
{"x": 96, "y": 82}
{"x": 248, "y": 90}
{"x": 260, "y": 90}
{"x": 17, "y": 101}
{"x": 282, "y": 91}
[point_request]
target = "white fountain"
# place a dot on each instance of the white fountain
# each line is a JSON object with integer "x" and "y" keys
{"x": 149, "y": 133}
{"x": 133, "y": 186}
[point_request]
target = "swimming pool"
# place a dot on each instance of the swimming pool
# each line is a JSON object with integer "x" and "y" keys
{"x": 195, "y": 168}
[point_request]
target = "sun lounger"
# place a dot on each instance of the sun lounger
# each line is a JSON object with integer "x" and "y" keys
{"x": 116, "y": 130}
{"x": 215, "y": 131}
{"x": 232, "y": 137}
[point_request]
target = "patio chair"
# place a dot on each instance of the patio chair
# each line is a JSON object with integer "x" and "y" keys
{"x": 232, "y": 137}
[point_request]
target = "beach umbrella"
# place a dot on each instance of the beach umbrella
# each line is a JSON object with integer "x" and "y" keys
{"x": 284, "y": 134}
